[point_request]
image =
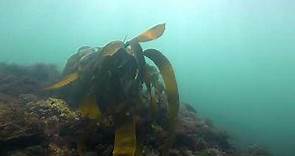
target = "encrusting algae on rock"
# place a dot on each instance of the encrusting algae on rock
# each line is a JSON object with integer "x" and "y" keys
{"x": 33, "y": 123}
{"x": 51, "y": 106}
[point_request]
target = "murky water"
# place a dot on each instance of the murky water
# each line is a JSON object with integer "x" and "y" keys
{"x": 234, "y": 60}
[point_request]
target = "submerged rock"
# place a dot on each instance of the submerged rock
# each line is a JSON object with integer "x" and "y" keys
{"x": 18, "y": 129}
{"x": 51, "y": 108}
{"x": 33, "y": 124}
{"x": 50, "y": 127}
{"x": 16, "y": 79}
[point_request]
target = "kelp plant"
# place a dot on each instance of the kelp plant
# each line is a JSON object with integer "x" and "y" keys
{"x": 110, "y": 81}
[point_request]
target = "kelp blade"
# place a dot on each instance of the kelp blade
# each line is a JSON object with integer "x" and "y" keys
{"x": 148, "y": 81}
{"x": 168, "y": 75}
{"x": 89, "y": 108}
{"x": 66, "y": 81}
{"x": 151, "y": 34}
{"x": 111, "y": 48}
{"x": 138, "y": 55}
{"x": 125, "y": 139}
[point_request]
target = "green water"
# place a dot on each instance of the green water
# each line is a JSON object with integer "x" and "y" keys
{"x": 234, "y": 59}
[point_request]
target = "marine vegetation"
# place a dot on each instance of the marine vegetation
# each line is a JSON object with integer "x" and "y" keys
{"x": 110, "y": 81}
{"x": 109, "y": 101}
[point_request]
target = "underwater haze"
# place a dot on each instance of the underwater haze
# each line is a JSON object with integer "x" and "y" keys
{"x": 234, "y": 59}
